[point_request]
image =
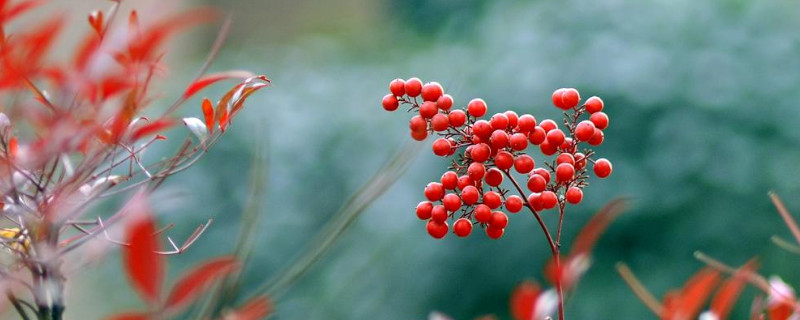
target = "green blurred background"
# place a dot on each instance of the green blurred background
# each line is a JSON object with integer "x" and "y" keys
{"x": 703, "y": 98}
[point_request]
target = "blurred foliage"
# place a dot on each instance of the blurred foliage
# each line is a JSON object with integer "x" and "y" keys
{"x": 704, "y": 121}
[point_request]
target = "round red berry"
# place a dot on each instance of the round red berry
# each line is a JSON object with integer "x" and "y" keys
{"x": 565, "y": 172}
{"x": 477, "y": 108}
{"x": 431, "y": 91}
{"x": 570, "y": 98}
{"x": 504, "y": 160}
{"x": 483, "y": 213}
{"x": 555, "y": 137}
{"x": 397, "y": 87}
{"x": 449, "y": 180}
{"x": 548, "y": 199}
{"x": 419, "y": 135}
{"x": 480, "y": 152}
{"x": 584, "y": 130}
{"x": 494, "y": 177}
{"x": 513, "y": 204}
{"x": 428, "y": 109}
{"x": 600, "y": 120}
{"x": 462, "y": 227}
{"x": 492, "y": 199}
{"x": 535, "y": 201}
{"x": 440, "y": 122}
{"x": 424, "y": 210}
{"x": 499, "y": 220}
{"x": 390, "y": 102}
{"x": 475, "y": 171}
{"x": 557, "y": 100}
{"x": 441, "y": 147}
{"x": 537, "y": 183}
{"x": 495, "y": 233}
{"x": 565, "y": 158}
{"x": 597, "y": 138}
{"x": 482, "y": 129}
{"x": 537, "y": 136}
{"x": 524, "y": 163}
{"x": 526, "y": 123}
{"x": 437, "y": 229}
{"x": 451, "y": 202}
{"x": 413, "y": 87}
{"x": 499, "y": 121}
{"x": 567, "y": 146}
{"x": 512, "y": 117}
{"x": 547, "y": 148}
{"x": 445, "y": 102}
{"x": 574, "y": 195}
{"x": 469, "y": 194}
{"x": 580, "y": 161}
{"x": 457, "y": 118}
{"x": 602, "y": 167}
{"x": 594, "y": 104}
{"x": 542, "y": 172}
{"x": 434, "y": 191}
{"x": 547, "y": 125}
{"x": 417, "y": 124}
{"x": 439, "y": 213}
{"x": 499, "y": 139}
{"x": 518, "y": 141}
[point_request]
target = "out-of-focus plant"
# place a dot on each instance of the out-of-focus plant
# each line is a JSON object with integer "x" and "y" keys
{"x": 486, "y": 151}
{"x": 73, "y": 133}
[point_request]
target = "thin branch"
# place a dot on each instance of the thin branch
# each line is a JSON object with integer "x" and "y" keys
{"x": 639, "y": 290}
{"x": 787, "y": 217}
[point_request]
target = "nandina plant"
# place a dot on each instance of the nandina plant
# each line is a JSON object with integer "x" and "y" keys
{"x": 73, "y": 132}
{"x": 490, "y": 163}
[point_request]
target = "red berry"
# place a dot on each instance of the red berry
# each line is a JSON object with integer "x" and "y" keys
{"x": 594, "y": 104}
{"x": 428, "y": 109}
{"x": 476, "y": 170}
{"x": 565, "y": 172}
{"x": 437, "y": 229}
{"x": 513, "y": 204}
{"x": 555, "y": 137}
{"x": 449, "y": 180}
{"x": 547, "y": 148}
{"x": 413, "y": 87}
{"x": 535, "y": 200}
{"x": 440, "y": 122}
{"x": 445, "y": 102}
{"x": 518, "y": 141}
{"x": 524, "y": 163}
{"x": 482, "y": 129}
{"x": 494, "y": 177}
{"x": 565, "y": 158}
{"x": 439, "y": 213}
{"x": 424, "y": 210}
{"x": 574, "y": 195}
{"x": 469, "y": 195}
{"x": 417, "y": 124}
{"x": 548, "y": 199}
{"x": 464, "y": 181}
{"x": 457, "y": 118}
{"x": 477, "y": 108}
{"x": 451, "y": 202}
{"x": 480, "y": 152}
{"x": 397, "y": 87}
{"x": 600, "y": 120}
{"x": 537, "y": 136}
{"x": 499, "y": 139}
{"x": 441, "y": 147}
{"x": 492, "y": 199}
{"x": 499, "y": 121}
{"x": 602, "y": 167}
{"x": 431, "y": 91}
{"x": 483, "y": 213}
{"x": 499, "y": 220}
{"x": 537, "y": 183}
{"x": 526, "y": 123}
{"x": 504, "y": 160}
{"x": 452, "y": 146}
{"x": 434, "y": 191}
{"x": 495, "y": 233}
{"x": 542, "y": 172}
{"x": 557, "y": 100}
{"x": 584, "y": 130}
{"x": 548, "y": 125}
{"x": 419, "y": 135}
{"x": 570, "y": 98}
{"x": 567, "y": 146}
{"x": 462, "y": 227}
{"x": 580, "y": 161}
{"x": 390, "y": 102}
{"x": 512, "y": 117}
{"x": 597, "y": 138}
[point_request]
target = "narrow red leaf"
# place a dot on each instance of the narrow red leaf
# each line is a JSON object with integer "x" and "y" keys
{"x": 129, "y": 316}
{"x": 696, "y": 291}
{"x": 729, "y": 291}
{"x": 208, "y": 114}
{"x": 152, "y": 128}
{"x": 18, "y": 10}
{"x": 199, "y": 280}
{"x": 212, "y": 78}
{"x": 13, "y": 148}
{"x": 593, "y": 229}
{"x": 96, "y": 21}
{"x": 255, "y": 309}
{"x": 144, "y": 265}
{"x": 523, "y": 300}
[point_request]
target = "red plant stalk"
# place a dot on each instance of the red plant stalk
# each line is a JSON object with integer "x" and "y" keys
{"x": 471, "y": 193}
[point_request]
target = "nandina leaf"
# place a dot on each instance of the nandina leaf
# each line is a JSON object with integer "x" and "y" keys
{"x": 255, "y": 309}
{"x": 96, "y": 21}
{"x": 146, "y": 42}
{"x": 593, "y": 229}
{"x": 696, "y": 291}
{"x": 199, "y": 280}
{"x": 245, "y": 93}
{"x": 208, "y": 114}
{"x": 523, "y": 300}
{"x": 13, "y": 148}
{"x": 86, "y": 51}
{"x": 212, "y": 78}
{"x": 144, "y": 265}
{"x": 222, "y": 106}
{"x": 129, "y": 316}
{"x": 152, "y": 128}
{"x": 17, "y": 10}
{"x": 729, "y": 291}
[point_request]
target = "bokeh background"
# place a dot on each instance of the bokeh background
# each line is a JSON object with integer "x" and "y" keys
{"x": 703, "y": 98}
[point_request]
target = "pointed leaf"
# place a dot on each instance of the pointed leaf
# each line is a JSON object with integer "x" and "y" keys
{"x": 729, "y": 291}
{"x": 696, "y": 291}
{"x": 152, "y": 128}
{"x": 199, "y": 280}
{"x": 210, "y": 79}
{"x": 208, "y": 114}
{"x": 593, "y": 229}
{"x": 145, "y": 267}
{"x": 523, "y": 300}
{"x": 197, "y": 127}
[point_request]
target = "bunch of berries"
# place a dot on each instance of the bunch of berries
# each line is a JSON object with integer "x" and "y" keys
{"x": 486, "y": 152}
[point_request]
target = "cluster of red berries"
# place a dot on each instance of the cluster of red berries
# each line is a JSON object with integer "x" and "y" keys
{"x": 471, "y": 192}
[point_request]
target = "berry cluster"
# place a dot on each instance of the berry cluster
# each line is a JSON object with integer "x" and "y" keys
{"x": 472, "y": 191}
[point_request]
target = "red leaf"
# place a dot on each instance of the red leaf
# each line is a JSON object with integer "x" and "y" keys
{"x": 20, "y": 8}
{"x": 199, "y": 280}
{"x": 129, "y": 316}
{"x": 726, "y": 296}
{"x": 152, "y": 128}
{"x": 588, "y": 236}
{"x": 208, "y": 114}
{"x": 256, "y": 309}
{"x": 144, "y": 265}
{"x": 212, "y": 78}
{"x": 96, "y": 21}
{"x": 696, "y": 291}
{"x": 523, "y": 300}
